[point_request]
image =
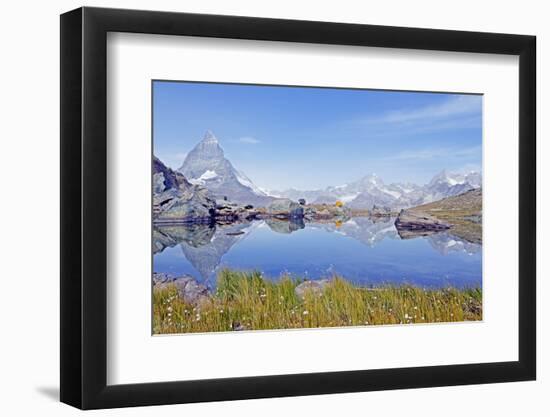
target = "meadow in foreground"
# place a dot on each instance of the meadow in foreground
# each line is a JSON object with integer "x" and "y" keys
{"x": 247, "y": 301}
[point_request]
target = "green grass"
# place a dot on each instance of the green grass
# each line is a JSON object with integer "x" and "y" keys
{"x": 246, "y": 301}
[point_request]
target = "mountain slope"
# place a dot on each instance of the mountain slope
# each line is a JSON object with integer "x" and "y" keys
{"x": 463, "y": 212}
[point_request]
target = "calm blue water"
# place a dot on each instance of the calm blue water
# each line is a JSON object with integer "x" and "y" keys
{"x": 363, "y": 251}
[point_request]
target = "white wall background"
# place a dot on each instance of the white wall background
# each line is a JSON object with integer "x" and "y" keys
{"x": 29, "y": 100}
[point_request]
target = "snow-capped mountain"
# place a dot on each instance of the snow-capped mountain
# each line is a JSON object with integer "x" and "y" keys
{"x": 372, "y": 190}
{"x": 206, "y": 165}
{"x": 447, "y": 184}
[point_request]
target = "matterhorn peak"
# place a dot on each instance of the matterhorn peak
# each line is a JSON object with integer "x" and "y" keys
{"x": 207, "y": 166}
{"x": 209, "y": 138}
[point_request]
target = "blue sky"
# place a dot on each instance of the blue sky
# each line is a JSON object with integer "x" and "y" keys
{"x": 309, "y": 138}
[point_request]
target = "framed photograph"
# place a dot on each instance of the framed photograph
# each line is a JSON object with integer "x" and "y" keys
{"x": 258, "y": 208}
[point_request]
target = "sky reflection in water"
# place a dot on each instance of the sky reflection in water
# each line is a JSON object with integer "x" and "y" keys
{"x": 363, "y": 251}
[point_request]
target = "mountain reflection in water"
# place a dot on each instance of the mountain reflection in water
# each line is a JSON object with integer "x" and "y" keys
{"x": 366, "y": 251}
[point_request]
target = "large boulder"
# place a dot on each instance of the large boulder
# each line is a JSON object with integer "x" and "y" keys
{"x": 285, "y": 208}
{"x": 193, "y": 206}
{"x": 313, "y": 287}
{"x": 414, "y": 220}
{"x": 189, "y": 290}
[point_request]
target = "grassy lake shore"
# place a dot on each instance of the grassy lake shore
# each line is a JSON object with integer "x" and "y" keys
{"x": 247, "y": 301}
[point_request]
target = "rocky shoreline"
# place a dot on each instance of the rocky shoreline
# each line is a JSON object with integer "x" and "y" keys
{"x": 416, "y": 221}
{"x": 177, "y": 201}
{"x": 226, "y": 212}
{"x": 461, "y": 213}
{"x": 193, "y": 292}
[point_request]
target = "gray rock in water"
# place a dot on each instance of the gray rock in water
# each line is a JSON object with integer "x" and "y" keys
{"x": 413, "y": 220}
{"x": 285, "y": 208}
{"x": 406, "y": 234}
{"x": 189, "y": 290}
{"x": 315, "y": 287}
{"x": 285, "y": 226}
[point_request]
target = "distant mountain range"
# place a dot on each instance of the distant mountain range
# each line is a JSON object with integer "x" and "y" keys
{"x": 207, "y": 166}
{"x": 371, "y": 190}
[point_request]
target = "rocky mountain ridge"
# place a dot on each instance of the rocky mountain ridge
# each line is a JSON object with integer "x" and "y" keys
{"x": 176, "y": 198}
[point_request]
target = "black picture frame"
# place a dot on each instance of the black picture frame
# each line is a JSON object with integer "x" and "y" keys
{"x": 84, "y": 207}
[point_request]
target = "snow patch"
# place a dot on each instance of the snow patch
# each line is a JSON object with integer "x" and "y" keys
{"x": 207, "y": 175}
{"x": 404, "y": 189}
{"x": 348, "y": 198}
{"x": 243, "y": 179}
{"x": 394, "y": 194}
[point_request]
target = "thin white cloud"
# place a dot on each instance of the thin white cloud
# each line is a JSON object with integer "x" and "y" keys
{"x": 456, "y": 106}
{"x": 436, "y": 153}
{"x": 249, "y": 140}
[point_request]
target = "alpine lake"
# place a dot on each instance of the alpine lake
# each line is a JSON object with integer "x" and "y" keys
{"x": 367, "y": 251}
